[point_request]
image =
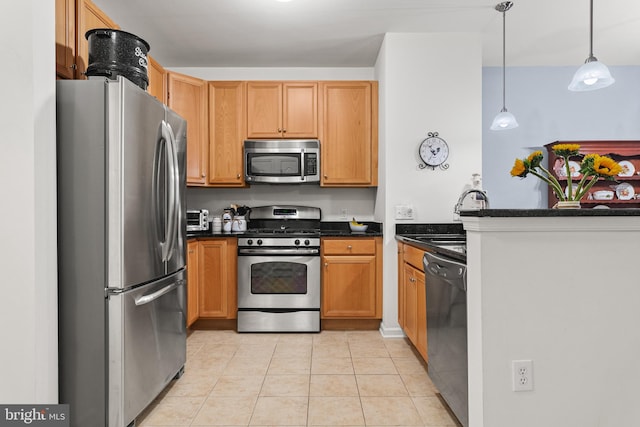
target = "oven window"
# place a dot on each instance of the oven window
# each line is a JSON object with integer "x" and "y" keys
{"x": 278, "y": 278}
{"x": 280, "y": 164}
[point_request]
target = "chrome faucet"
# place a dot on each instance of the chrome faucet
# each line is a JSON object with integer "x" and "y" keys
{"x": 465, "y": 193}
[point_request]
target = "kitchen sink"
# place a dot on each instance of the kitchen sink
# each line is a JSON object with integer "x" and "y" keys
{"x": 448, "y": 242}
{"x": 454, "y": 239}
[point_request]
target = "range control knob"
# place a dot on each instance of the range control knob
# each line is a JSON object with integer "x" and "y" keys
{"x": 297, "y": 242}
{"x": 307, "y": 242}
{"x": 259, "y": 242}
{"x": 249, "y": 242}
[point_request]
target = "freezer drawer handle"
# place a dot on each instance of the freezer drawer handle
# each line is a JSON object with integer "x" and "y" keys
{"x": 146, "y": 299}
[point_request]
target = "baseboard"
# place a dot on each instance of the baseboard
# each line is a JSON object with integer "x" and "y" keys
{"x": 391, "y": 332}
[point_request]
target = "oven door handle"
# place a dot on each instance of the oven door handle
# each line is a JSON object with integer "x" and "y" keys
{"x": 279, "y": 251}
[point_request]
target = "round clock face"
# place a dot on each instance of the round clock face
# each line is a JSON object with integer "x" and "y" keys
{"x": 434, "y": 151}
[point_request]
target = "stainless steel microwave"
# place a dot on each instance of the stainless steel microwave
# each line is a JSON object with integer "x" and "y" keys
{"x": 282, "y": 161}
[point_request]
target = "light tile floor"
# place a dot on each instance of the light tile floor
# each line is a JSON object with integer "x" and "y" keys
{"x": 334, "y": 378}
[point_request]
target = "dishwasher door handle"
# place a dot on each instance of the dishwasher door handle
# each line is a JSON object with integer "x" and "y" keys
{"x": 448, "y": 269}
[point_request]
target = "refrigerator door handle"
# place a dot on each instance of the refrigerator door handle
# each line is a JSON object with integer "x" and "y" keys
{"x": 146, "y": 299}
{"x": 173, "y": 201}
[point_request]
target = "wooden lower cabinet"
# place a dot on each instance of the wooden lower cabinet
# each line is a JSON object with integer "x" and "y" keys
{"x": 412, "y": 302}
{"x": 192, "y": 282}
{"x": 351, "y": 278}
{"x": 217, "y": 272}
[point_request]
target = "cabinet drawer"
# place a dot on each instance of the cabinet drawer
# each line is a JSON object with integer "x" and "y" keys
{"x": 413, "y": 256}
{"x": 349, "y": 246}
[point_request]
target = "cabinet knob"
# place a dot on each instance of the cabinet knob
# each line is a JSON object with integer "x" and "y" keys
{"x": 203, "y": 174}
{"x": 284, "y": 130}
{"x": 325, "y": 176}
{"x": 349, "y": 247}
{"x": 412, "y": 279}
{"x": 326, "y": 264}
{"x": 279, "y": 130}
{"x": 238, "y": 176}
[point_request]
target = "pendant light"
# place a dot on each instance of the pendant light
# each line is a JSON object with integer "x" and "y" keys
{"x": 504, "y": 120}
{"x": 593, "y": 74}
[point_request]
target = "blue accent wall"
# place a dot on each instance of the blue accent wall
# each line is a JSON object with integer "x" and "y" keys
{"x": 546, "y": 112}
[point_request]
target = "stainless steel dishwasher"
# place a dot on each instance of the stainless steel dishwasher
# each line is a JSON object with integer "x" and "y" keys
{"x": 446, "y": 294}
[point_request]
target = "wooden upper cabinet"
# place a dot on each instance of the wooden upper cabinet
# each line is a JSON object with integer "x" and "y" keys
{"x": 157, "y": 80}
{"x": 187, "y": 96}
{"x": 226, "y": 133}
{"x": 300, "y": 110}
{"x": 89, "y": 16}
{"x": 349, "y": 134}
{"x": 282, "y": 110}
{"x": 65, "y": 38}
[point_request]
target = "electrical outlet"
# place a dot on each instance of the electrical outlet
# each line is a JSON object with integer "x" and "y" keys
{"x": 522, "y": 375}
{"x": 404, "y": 212}
{"x": 343, "y": 214}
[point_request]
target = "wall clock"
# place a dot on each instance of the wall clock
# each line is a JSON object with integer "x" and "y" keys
{"x": 433, "y": 152}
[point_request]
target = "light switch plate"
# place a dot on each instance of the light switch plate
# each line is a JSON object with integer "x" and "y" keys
{"x": 404, "y": 212}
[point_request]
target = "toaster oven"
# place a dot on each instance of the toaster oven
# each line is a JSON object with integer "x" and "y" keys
{"x": 197, "y": 220}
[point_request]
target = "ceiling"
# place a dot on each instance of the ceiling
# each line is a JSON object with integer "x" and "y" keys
{"x": 348, "y": 33}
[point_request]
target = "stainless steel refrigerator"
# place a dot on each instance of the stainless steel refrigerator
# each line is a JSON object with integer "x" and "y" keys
{"x": 121, "y": 245}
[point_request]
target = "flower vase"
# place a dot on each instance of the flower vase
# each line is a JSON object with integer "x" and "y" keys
{"x": 568, "y": 204}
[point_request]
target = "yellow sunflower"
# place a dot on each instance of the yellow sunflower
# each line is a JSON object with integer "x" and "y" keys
{"x": 606, "y": 166}
{"x": 566, "y": 150}
{"x": 519, "y": 169}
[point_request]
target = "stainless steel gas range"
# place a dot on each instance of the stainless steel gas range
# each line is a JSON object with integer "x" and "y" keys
{"x": 279, "y": 270}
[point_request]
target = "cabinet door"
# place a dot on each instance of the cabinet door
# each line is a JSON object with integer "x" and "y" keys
{"x": 401, "y": 291}
{"x": 89, "y": 16}
{"x": 192, "y": 282}
{"x": 157, "y": 80}
{"x": 226, "y": 133}
{"x": 349, "y": 148}
{"x": 264, "y": 110}
{"x": 349, "y": 286}
{"x": 65, "y": 38}
{"x": 217, "y": 272}
{"x": 421, "y": 314}
{"x": 300, "y": 110}
{"x": 410, "y": 304}
{"x": 187, "y": 96}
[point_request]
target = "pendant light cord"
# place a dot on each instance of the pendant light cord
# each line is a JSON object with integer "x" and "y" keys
{"x": 504, "y": 54}
{"x": 503, "y": 7}
{"x": 591, "y": 57}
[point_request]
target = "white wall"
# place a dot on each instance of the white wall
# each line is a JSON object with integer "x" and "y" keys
{"x": 28, "y": 307}
{"x": 358, "y": 202}
{"x": 428, "y": 83}
{"x": 547, "y": 111}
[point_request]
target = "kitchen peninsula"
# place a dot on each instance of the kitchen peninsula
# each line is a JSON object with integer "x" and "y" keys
{"x": 559, "y": 288}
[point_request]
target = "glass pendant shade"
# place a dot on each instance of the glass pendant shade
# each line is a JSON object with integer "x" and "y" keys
{"x": 591, "y": 76}
{"x": 503, "y": 121}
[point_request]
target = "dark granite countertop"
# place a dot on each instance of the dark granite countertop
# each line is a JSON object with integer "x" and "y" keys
{"x": 407, "y": 233}
{"x": 515, "y": 213}
{"x": 341, "y": 229}
{"x": 327, "y": 229}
